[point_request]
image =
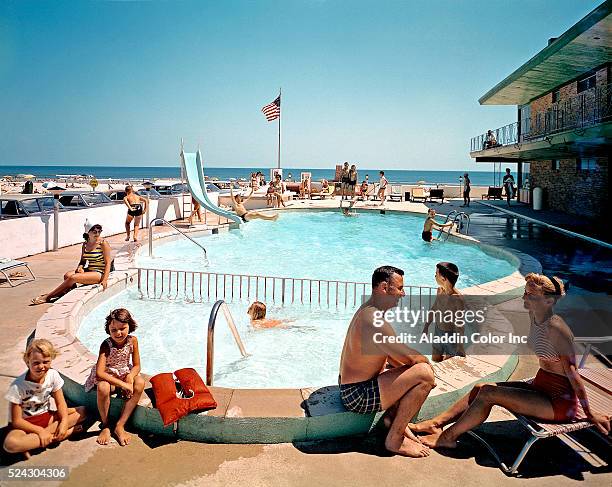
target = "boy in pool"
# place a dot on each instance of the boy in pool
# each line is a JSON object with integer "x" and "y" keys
{"x": 430, "y": 224}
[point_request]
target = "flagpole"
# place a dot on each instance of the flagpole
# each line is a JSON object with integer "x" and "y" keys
{"x": 279, "y": 127}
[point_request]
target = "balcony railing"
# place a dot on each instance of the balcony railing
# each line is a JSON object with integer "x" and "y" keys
{"x": 578, "y": 112}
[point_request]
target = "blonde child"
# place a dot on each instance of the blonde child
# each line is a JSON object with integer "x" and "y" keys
{"x": 117, "y": 369}
{"x": 33, "y": 424}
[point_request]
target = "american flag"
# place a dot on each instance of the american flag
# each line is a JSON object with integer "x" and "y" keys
{"x": 272, "y": 111}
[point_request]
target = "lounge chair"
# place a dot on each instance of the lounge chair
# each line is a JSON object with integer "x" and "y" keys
{"x": 396, "y": 193}
{"x": 322, "y": 194}
{"x": 419, "y": 193}
{"x": 8, "y": 264}
{"x": 598, "y": 385}
{"x": 494, "y": 193}
{"x": 436, "y": 194}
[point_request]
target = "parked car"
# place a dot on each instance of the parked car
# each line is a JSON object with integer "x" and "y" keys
{"x": 167, "y": 188}
{"x": 84, "y": 199}
{"x": 19, "y": 205}
{"x": 118, "y": 195}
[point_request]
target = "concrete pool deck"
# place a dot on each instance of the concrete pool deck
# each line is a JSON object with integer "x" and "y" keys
{"x": 336, "y": 462}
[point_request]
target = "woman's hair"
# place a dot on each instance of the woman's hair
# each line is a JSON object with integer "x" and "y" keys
{"x": 122, "y": 315}
{"x": 97, "y": 226}
{"x": 257, "y": 310}
{"x": 448, "y": 271}
{"x": 42, "y": 346}
{"x": 129, "y": 188}
{"x": 548, "y": 285}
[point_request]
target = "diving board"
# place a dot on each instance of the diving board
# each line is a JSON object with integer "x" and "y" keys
{"x": 192, "y": 164}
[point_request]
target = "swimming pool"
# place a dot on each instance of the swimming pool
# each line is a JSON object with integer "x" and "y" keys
{"x": 319, "y": 245}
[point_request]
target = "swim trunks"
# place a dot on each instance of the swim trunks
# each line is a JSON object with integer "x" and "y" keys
{"x": 426, "y": 236}
{"x": 361, "y": 397}
{"x": 41, "y": 420}
{"x": 136, "y": 210}
{"x": 446, "y": 349}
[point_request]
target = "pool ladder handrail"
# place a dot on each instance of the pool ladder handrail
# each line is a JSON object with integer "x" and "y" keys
{"x": 210, "y": 341}
{"x": 458, "y": 217}
{"x": 152, "y": 224}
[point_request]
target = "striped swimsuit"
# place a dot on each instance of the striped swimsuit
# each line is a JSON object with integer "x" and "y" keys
{"x": 557, "y": 387}
{"x": 94, "y": 259}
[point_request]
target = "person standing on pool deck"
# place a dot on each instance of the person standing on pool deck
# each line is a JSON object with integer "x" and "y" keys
{"x": 365, "y": 386}
{"x": 344, "y": 179}
{"x": 430, "y": 223}
{"x": 382, "y": 188}
{"x": 508, "y": 183}
{"x": 352, "y": 181}
{"x": 137, "y": 206}
{"x": 466, "y": 190}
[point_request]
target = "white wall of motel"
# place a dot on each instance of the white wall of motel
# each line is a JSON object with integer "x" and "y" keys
{"x": 20, "y": 237}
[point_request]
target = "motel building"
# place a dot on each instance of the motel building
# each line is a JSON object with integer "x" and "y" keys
{"x": 561, "y": 139}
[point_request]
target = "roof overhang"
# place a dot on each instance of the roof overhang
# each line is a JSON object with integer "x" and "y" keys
{"x": 583, "y": 47}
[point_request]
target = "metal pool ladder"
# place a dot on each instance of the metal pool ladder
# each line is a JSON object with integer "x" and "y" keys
{"x": 210, "y": 342}
{"x": 463, "y": 220}
{"x": 152, "y": 224}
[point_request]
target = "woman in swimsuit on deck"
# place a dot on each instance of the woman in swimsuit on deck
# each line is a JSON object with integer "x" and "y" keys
{"x": 137, "y": 205}
{"x": 93, "y": 267}
{"x": 243, "y": 213}
{"x": 554, "y": 393}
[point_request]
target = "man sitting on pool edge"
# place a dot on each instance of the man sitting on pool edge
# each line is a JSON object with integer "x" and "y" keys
{"x": 387, "y": 376}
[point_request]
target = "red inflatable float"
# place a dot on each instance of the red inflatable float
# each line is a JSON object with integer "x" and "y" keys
{"x": 176, "y": 400}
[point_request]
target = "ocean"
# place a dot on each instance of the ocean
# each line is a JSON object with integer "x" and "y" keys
{"x": 478, "y": 178}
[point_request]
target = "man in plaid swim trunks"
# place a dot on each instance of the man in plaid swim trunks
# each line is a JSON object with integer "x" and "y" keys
{"x": 377, "y": 374}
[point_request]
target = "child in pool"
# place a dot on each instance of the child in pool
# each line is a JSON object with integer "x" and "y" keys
{"x": 33, "y": 424}
{"x": 257, "y": 313}
{"x": 117, "y": 369}
{"x": 448, "y": 299}
{"x": 430, "y": 224}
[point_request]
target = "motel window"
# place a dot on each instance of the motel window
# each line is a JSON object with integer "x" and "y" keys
{"x": 587, "y": 83}
{"x": 526, "y": 168}
{"x": 555, "y": 164}
{"x": 586, "y": 164}
{"x": 555, "y": 96}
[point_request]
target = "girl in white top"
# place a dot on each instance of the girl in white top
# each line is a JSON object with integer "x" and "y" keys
{"x": 33, "y": 424}
{"x": 382, "y": 188}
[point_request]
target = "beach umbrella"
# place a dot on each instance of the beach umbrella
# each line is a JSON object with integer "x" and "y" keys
{"x": 26, "y": 176}
{"x": 421, "y": 181}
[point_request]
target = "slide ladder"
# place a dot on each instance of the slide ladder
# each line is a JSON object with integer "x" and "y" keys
{"x": 194, "y": 172}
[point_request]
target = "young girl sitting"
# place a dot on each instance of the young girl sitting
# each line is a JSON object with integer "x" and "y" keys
{"x": 33, "y": 424}
{"x": 117, "y": 369}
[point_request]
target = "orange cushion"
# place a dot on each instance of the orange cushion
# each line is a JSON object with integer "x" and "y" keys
{"x": 196, "y": 396}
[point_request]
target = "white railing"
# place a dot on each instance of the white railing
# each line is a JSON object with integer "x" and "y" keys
{"x": 204, "y": 287}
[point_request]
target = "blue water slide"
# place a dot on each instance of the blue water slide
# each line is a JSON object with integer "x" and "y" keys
{"x": 192, "y": 164}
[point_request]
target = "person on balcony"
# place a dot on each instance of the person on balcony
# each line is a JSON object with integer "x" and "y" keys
{"x": 490, "y": 141}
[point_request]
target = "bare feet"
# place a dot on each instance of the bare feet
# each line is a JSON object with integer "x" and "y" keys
{"x": 41, "y": 299}
{"x": 408, "y": 448}
{"x": 127, "y": 239}
{"x": 104, "y": 436}
{"x": 407, "y": 432}
{"x": 122, "y": 437}
{"x": 425, "y": 427}
{"x": 439, "y": 440}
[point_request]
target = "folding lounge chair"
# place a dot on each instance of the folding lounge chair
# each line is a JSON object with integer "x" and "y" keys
{"x": 419, "y": 194}
{"x": 436, "y": 194}
{"x": 7, "y": 265}
{"x": 493, "y": 193}
{"x": 396, "y": 193}
{"x": 598, "y": 385}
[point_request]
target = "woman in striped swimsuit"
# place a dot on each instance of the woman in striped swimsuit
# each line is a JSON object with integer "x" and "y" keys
{"x": 554, "y": 393}
{"x": 93, "y": 267}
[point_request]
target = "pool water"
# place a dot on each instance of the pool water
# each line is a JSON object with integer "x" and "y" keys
{"x": 306, "y": 351}
{"x": 328, "y": 245}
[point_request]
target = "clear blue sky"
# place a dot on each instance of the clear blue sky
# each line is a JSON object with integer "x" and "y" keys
{"x": 391, "y": 84}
